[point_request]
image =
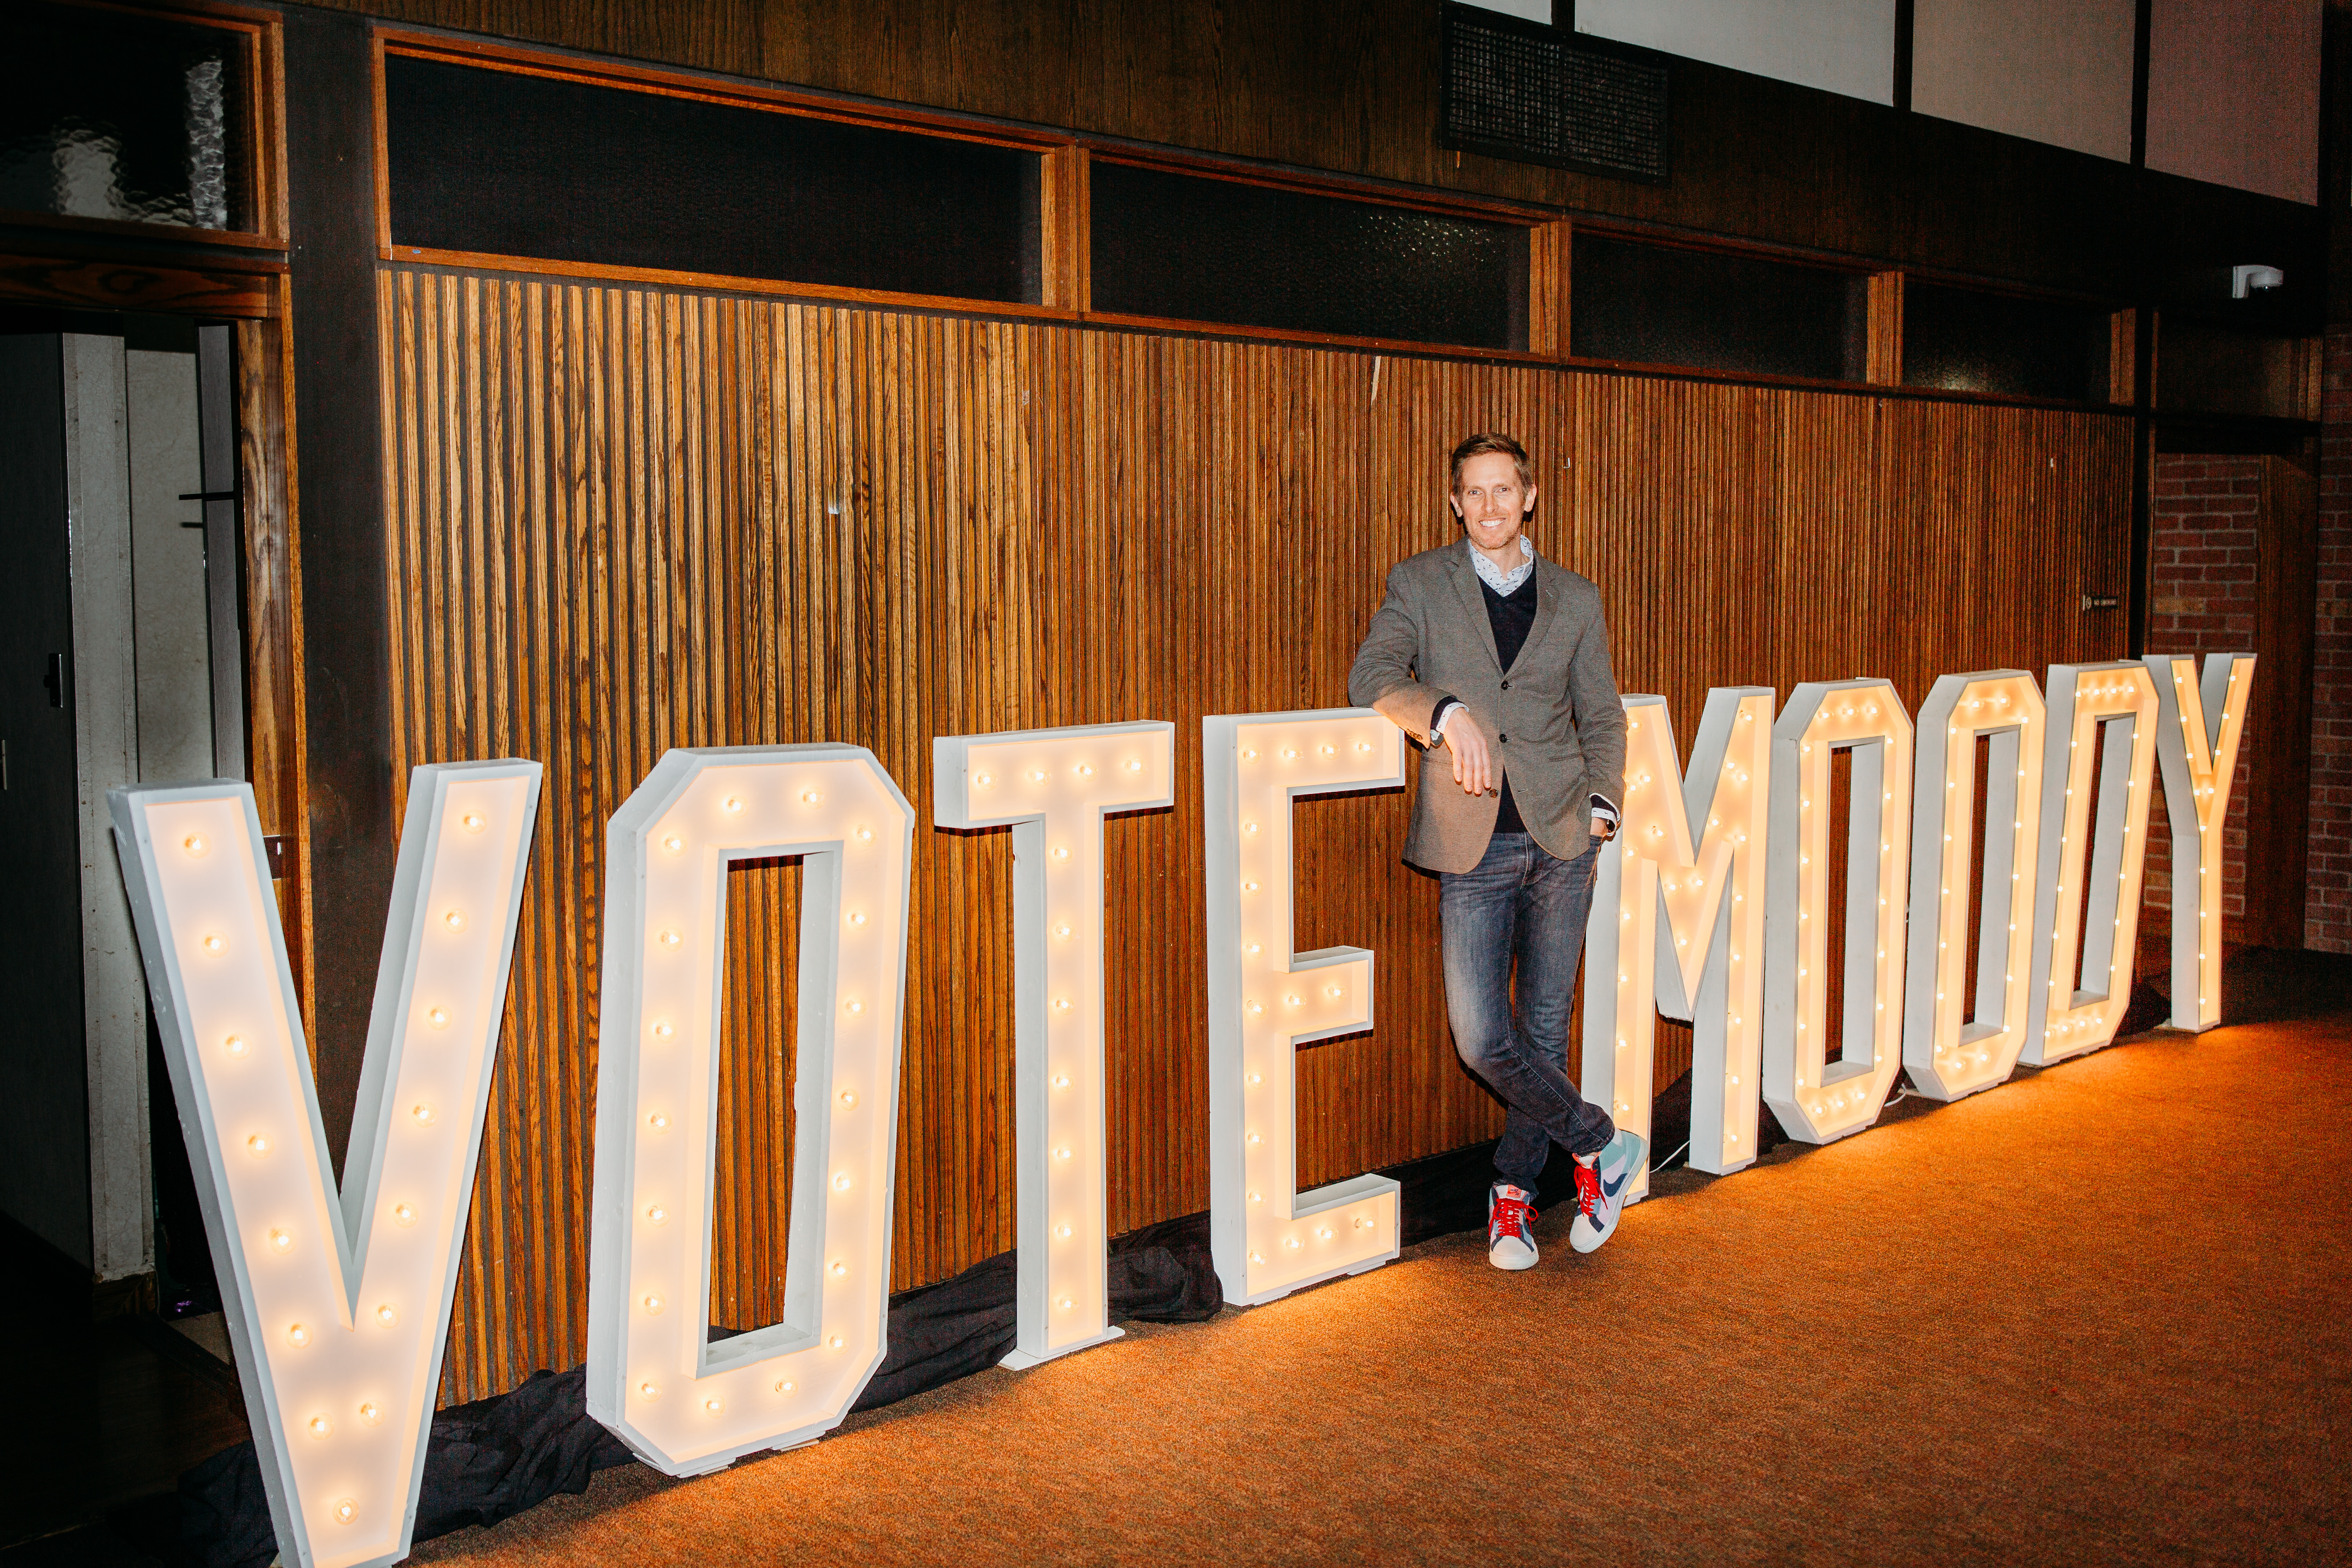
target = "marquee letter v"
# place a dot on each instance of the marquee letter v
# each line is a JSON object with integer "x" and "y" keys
{"x": 340, "y": 1311}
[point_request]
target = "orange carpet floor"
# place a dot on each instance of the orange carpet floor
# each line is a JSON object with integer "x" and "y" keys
{"x": 2102, "y": 1314}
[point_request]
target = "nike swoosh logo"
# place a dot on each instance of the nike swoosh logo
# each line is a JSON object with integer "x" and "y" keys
{"x": 1613, "y": 1188}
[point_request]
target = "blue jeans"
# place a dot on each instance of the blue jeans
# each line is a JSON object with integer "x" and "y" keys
{"x": 1521, "y": 903}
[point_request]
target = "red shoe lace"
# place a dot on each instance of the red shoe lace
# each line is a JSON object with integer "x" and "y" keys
{"x": 1588, "y": 1191}
{"x": 1511, "y": 1217}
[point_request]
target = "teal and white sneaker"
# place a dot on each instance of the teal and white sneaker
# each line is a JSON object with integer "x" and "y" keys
{"x": 1601, "y": 1190}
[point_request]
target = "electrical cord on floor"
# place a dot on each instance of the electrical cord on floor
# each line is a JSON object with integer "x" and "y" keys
{"x": 1662, "y": 1165}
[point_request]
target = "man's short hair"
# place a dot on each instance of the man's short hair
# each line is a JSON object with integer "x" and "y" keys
{"x": 1479, "y": 446}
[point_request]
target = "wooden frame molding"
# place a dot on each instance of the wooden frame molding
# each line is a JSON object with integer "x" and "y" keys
{"x": 265, "y": 131}
{"x": 1550, "y": 247}
{"x": 1883, "y": 349}
{"x": 271, "y": 593}
{"x": 238, "y": 287}
{"x": 1066, "y": 213}
{"x": 1066, "y": 229}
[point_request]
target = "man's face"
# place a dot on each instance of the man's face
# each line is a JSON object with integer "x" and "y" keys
{"x": 1490, "y": 500}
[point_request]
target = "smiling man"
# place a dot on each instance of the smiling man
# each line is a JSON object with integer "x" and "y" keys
{"x": 1498, "y": 659}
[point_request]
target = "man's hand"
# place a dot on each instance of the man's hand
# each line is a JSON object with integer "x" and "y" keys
{"x": 1603, "y": 829}
{"x": 1474, "y": 765}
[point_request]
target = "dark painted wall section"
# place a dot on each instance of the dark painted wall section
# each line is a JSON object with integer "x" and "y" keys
{"x": 1353, "y": 86}
{"x": 330, "y": 181}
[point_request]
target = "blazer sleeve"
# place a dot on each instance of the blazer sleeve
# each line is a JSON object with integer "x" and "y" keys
{"x": 1382, "y": 676}
{"x": 1599, "y": 713}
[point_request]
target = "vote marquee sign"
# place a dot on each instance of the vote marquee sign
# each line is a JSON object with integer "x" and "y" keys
{"x": 1713, "y": 905}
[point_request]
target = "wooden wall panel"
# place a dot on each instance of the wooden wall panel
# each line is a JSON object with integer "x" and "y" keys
{"x": 624, "y": 519}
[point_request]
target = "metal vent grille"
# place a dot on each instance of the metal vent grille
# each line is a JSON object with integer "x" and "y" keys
{"x": 1521, "y": 91}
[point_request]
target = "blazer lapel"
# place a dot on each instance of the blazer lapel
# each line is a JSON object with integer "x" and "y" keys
{"x": 1474, "y": 603}
{"x": 1548, "y": 594}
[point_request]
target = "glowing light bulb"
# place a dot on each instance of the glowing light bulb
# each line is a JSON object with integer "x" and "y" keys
{"x": 422, "y": 1112}
{"x": 848, "y": 1097}
{"x": 1292, "y": 1242}
{"x": 214, "y": 944}
{"x": 372, "y": 1412}
{"x": 1064, "y": 1303}
{"x": 865, "y": 835}
{"x": 836, "y": 1342}
{"x": 346, "y": 1510}
{"x": 783, "y": 1385}
{"x": 1062, "y": 1231}
{"x": 455, "y": 920}
{"x": 1249, "y": 887}
{"x": 674, "y": 844}
{"x": 1085, "y": 770}
{"x": 1254, "y": 1139}
{"x": 856, "y": 1006}
{"x": 812, "y": 796}
{"x": 437, "y": 1017}
{"x": 652, "y": 1305}
{"x": 671, "y": 939}
{"x": 1249, "y": 827}
{"x": 1061, "y": 1081}
{"x": 840, "y": 1269}
{"x": 660, "y": 1122}
{"x": 194, "y": 844}
{"x": 1036, "y": 775}
{"x": 734, "y": 802}
{"x": 714, "y": 1405}
{"x": 1135, "y": 764}
{"x": 386, "y": 1316}
{"x": 982, "y": 780}
{"x": 235, "y": 1045}
{"x": 1364, "y": 748}
{"x": 298, "y": 1336}
{"x": 1249, "y": 756}
{"x": 1257, "y": 1078}
{"x": 657, "y": 1215}
{"x": 1257, "y": 1007}
{"x": 662, "y": 1030}
{"x": 472, "y": 822}
{"x": 841, "y": 1182}
{"x": 321, "y": 1428}
{"x": 649, "y": 1389}
{"x": 257, "y": 1146}
{"x": 1062, "y": 932}
{"x": 1250, "y": 948}
{"x": 1289, "y": 754}
{"x": 282, "y": 1240}
{"x": 404, "y": 1213}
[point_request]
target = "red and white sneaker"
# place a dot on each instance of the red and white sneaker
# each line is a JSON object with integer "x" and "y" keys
{"x": 1510, "y": 1226}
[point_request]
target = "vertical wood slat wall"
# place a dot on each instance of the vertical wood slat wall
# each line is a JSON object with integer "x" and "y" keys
{"x": 624, "y": 519}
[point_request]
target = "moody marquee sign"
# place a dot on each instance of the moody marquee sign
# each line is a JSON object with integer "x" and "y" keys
{"x": 1713, "y": 906}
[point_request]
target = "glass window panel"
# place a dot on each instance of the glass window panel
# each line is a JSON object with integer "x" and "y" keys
{"x": 109, "y": 115}
{"x": 1184, "y": 247}
{"x": 1959, "y": 340}
{"x": 1655, "y": 304}
{"x": 511, "y": 164}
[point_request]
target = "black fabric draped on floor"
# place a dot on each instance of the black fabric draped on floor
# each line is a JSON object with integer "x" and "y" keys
{"x": 495, "y": 1457}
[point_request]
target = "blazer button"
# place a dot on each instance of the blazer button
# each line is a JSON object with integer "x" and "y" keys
{"x": 1502, "y": 740}
{"x": 1506, "y": 686}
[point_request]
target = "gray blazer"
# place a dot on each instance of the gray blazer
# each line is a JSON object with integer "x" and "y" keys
{"x": 1556, "y": 722}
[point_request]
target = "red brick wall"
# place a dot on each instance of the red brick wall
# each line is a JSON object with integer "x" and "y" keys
{"x": 2327, "y": 909}
{"x": 2202, "y": 557}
